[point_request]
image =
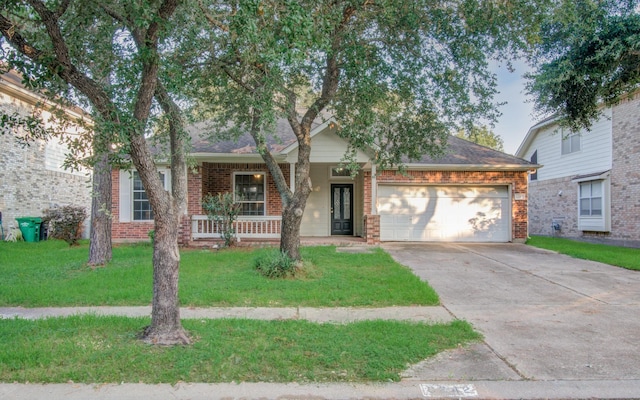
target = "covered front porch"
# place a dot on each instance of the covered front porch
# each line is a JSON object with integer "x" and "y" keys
{"x": 259, "y": 231}
{"x": 335, "y": 206}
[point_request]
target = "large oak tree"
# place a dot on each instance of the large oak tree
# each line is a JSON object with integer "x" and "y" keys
{"x": 109, "y": 52}
{"x": 396, "y": 76}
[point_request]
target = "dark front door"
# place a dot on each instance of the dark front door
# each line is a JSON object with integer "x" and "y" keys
{"x": 342, "y": 209}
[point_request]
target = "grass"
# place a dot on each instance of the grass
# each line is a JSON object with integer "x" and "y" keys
{"x": 92, "y": 349}
{"x": 625, "y": 257}
{"x": 50, "y": 273}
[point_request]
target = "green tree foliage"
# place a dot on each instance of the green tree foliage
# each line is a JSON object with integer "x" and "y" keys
{"x": 482, "y": 135}
{"x": 397, "y": 77}
{"x": 108, "y": 56}
{"x": 223, "y": 210}
{"x": 589, "y": 55}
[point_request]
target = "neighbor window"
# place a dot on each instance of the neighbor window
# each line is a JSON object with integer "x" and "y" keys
{"x": 534, "y": 160}
{"x": 591, "y": 198}
{"x": 141, "y": 206}
{"x": 570, "y": 143}
{"x": 250, "y": 193}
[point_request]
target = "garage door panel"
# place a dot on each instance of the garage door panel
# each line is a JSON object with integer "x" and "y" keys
{"x": 447, "y": 213}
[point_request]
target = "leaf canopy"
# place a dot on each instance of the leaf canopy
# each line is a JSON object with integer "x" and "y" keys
{"x": 589, "y": 56}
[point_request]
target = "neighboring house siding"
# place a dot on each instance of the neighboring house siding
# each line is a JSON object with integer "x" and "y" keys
{"x": 32, "y": 177}
{"x": 594, "y": 154}
{"x": 515, "y": 180}
{"x": 609, "y": 156}
{"x": 625, "y": 174}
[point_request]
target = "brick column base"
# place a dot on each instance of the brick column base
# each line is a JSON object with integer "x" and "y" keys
{"x": 184, "y": 231}
{"x": 372, "y": 229}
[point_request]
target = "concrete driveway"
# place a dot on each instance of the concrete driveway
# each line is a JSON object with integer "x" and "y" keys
{"x": 544, "y": 316}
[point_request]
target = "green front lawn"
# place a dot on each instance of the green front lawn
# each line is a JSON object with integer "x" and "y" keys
{"x": 50, "y": 273}
{"x": 91, "y": 349}
{"x": 614, "y": 255}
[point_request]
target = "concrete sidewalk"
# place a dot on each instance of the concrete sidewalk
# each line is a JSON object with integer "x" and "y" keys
{"x": 333, "y": 315}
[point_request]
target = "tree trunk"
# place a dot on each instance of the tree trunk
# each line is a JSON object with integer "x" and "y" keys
{"x": 100, "y": 234}
{"x": 290, "y": 228}
{"x": 293, "y": 208}
{"x": 166, "y": 328}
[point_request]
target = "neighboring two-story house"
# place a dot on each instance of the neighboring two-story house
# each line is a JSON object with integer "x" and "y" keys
{"x": 32, "y": 178}
{"x": 589, "y": 183}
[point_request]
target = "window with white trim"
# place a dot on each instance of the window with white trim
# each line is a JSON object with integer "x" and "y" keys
{"x": 591, "y": 196}
{"x": 142, "y": 210}
{"x": 571, "y": 143}
{"x": 249, "y": 191}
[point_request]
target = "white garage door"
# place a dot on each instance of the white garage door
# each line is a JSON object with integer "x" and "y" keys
{"x": 444, "y": 213}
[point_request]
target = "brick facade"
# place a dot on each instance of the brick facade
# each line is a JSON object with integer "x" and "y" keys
{"x": 125, "y": 231}
{"x": 517, "y": 180}
{"x": 213, "y": 178}
{"x": 625, "y": 172}
{"x": 218, "y": 178}
{"x": 555, "y": 201}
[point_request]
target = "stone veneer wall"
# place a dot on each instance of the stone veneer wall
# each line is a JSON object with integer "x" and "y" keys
{"x": 516, "y": 179}
{"x": 27, "y": 187}
{"x": 625, "y": 173}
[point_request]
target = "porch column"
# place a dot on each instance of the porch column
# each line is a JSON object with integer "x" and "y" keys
{"x": 374, "y": 189}
{"x": 292, "y": 177}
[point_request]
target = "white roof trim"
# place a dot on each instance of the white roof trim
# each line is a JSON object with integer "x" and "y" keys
{"x": 591, "y": 177}
{"x": 314, "y": 132}
{"x": 531, "y": 133}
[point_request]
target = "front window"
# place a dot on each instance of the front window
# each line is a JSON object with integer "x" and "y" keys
{"x": 250, "y": 193}
{"x": 141, "y": 205}
{"x": 570, "y": 143}
{"x": 591, "y": 198}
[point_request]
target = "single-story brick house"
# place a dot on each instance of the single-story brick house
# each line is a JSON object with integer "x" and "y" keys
{"x": 473, "y": 193}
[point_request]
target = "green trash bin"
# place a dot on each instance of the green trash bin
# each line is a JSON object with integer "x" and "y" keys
{"x": 30, "y": 228}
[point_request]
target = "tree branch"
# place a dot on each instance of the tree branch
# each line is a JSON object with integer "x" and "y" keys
{"x": 213, "y": 21}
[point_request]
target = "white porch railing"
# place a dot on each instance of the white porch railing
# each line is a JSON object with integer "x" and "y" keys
{"x": 267, "y": 227}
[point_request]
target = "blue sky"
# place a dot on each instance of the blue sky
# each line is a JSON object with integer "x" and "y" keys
{"x": 517, "y": 115}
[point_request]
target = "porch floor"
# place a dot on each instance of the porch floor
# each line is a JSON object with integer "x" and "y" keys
{"x": 305, "y": 241}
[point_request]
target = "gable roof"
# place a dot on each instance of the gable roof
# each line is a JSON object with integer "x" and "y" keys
{"x": 532, "y": 132}
{"x": 202, "y": 140}
{"x": 460, "y": 153}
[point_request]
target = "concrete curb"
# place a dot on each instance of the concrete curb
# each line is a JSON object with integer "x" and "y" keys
{"x": 400, "y": 390}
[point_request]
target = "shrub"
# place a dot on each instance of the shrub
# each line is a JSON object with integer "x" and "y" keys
{"x": 276, "y": 264}
{"x": 65, "y": 223}
{"x": 223, "y": 210}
